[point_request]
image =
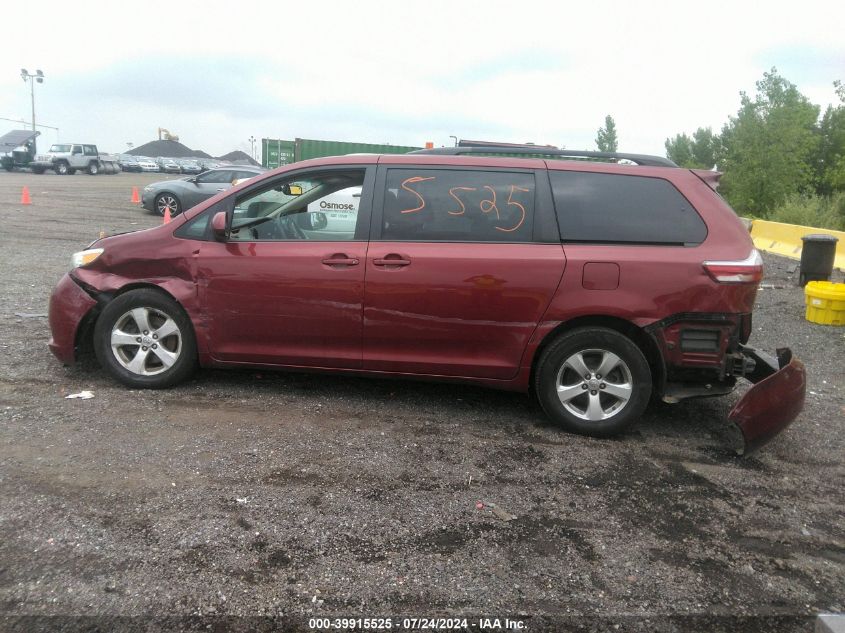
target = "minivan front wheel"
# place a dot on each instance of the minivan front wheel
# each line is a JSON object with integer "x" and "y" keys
{"x": 593, "y": 381}
{"x": 145, "y": 340}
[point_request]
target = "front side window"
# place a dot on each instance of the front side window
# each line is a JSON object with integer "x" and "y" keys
{"x": 615, "y": 208}
{"x": 321, "y": 207}
{"x": 458, "y": 206}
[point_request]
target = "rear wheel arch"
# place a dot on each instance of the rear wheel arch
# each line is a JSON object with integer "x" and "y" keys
{"x": 645, "y": 342}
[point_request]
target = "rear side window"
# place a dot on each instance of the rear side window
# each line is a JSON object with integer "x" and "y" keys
{"x": 218, "y": 176}
{"x": 458, "y": 206}
{"x": 612, "y": 208}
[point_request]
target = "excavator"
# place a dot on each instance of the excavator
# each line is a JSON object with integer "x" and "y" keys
{"x": 165, "y": 135}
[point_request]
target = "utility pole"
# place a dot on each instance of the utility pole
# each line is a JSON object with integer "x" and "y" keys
{"x": 39, "y": 77}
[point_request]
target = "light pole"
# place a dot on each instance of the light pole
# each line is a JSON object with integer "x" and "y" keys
{"x": 252, "y": 140}
{"x": 39, "y": 77}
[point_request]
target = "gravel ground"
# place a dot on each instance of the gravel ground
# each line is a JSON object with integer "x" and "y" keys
{"x": 280, "y": 497}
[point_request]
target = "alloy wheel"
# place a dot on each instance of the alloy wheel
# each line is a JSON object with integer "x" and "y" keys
{"x": 594, "y": 384}
{"x": 146, "y": 341}
{"x": 165, "y": 202}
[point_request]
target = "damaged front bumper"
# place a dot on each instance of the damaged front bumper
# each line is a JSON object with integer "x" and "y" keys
{"x": 774, "y": 401}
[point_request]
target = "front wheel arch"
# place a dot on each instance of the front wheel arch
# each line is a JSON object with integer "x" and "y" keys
{"x": 85, "y": 332}
{"x": 145, "y": 339}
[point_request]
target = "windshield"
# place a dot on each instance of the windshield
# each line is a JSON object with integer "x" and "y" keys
{"x": 59, "y": 149}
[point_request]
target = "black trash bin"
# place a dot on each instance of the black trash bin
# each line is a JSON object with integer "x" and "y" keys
{"x": 817, "y": 255}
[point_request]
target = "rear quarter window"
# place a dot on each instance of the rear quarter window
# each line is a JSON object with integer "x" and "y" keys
{"x": 615, "y": 208}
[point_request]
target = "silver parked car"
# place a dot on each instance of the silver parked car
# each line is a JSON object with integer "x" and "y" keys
{"x": 183, "y": 193}
{"x": 147, "y": 164}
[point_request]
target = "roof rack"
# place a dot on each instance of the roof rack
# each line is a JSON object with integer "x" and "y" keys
{"x": 644, "y": 160}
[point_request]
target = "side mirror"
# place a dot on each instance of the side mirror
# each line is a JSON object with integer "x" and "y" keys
{"x": 218, "y": 226}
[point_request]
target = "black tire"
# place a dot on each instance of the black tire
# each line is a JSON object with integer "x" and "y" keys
{"x": 37, "y": 170}
{"x": 62, "y": 168}
{"x": 590, "y": 403}
{"x": 146, "y": 361}
{"x": 167, "y": 200}
{"x": 93, "y": 168}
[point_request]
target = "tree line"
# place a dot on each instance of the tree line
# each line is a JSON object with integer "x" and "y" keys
{"x": 781, "y": 157}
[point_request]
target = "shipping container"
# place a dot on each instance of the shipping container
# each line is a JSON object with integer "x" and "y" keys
{"x": 277, "y": 152}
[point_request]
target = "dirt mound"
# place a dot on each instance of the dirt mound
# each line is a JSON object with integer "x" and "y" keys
{"x": 170, "y": 149}
{"x": 239, "y": 158}
{"x": 174, "y": 149}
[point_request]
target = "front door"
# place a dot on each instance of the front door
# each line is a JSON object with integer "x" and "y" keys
{"x": 287, "y": 286}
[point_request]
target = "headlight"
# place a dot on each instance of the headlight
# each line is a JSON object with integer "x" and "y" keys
{"x": 83, "y": 258}
{"x": 148, "y": 188}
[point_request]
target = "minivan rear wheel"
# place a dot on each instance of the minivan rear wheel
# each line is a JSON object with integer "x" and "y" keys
{"x": 145, "y": 340}
{"x": 593, "y": 381}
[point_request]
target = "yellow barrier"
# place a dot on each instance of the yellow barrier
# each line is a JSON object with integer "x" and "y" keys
{"x": 785, "y": 239}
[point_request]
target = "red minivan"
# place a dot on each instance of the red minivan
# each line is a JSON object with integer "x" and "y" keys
{"x": 593, "y": 285}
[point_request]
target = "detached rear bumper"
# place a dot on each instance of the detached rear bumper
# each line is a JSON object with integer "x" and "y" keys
{"x": 774, "y": 401}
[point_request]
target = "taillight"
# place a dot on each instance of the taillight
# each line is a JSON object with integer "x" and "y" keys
{"x": 746, "y": 271}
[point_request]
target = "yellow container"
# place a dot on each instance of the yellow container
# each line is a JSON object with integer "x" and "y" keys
{"x": 825, "y": 302}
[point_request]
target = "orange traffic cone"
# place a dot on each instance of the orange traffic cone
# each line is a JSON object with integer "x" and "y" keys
{"x": 25, "y": 199}
{"x": 166, "y": 215}
{"x": 136, "y": 199}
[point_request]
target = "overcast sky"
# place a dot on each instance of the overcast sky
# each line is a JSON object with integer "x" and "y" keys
{"x": 216, "y": 73}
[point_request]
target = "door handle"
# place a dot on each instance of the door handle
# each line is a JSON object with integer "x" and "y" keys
{"x": 224, "y": 189}
{"x": 395, "y": 260}
{"x": 339, "y": 259}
